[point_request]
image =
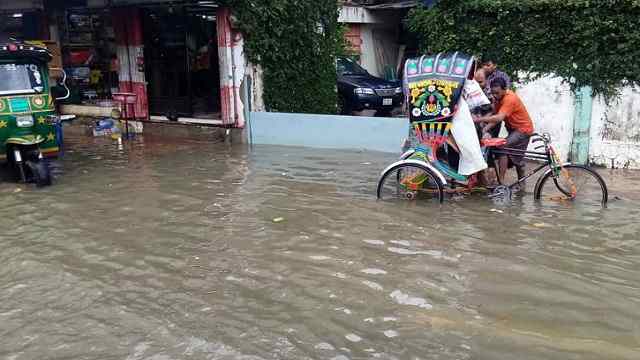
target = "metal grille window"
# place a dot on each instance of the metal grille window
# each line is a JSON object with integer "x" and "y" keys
{"x": 385, "y": 92}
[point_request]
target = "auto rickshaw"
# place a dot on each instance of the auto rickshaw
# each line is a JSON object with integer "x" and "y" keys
{"x": 29, "y": 126}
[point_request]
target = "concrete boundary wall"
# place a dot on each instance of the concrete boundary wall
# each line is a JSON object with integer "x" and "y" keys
{"x": 328, "y": 131}
{"x": 614, "y": 127}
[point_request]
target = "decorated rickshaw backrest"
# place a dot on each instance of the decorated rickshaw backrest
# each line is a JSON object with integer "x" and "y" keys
{"x": 433, "y": 85}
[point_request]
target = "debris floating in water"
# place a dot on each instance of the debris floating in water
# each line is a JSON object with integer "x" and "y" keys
{"x": 405, "y": 299}
{"x": 374, "y": 242}
{"x": 373, "y": 285}
{"x": 324, "y": 346}
{"x": 390, "y": 333}
{"x": 497, "y": 211}
{"x": 353, "y": 338}
{"x": 278, "y": 220}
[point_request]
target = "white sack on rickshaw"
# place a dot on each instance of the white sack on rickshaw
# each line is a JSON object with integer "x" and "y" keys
{"x": 464, "y": 129}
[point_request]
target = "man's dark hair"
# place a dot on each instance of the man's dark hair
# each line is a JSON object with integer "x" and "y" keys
{"x": 488, "y": 59}
{"x": 499, "y": 82}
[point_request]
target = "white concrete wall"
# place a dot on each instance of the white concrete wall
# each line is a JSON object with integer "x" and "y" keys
{"x": 551, "y": 106}
{"x": 328, "y": 131}
{"x": 615, "y": 127}
{"x": 615, "y": 131}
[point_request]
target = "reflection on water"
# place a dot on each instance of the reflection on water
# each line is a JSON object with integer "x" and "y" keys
{"x": 171, "y": 251}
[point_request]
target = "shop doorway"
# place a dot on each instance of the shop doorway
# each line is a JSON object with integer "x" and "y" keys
{"x": 181, "y": 62}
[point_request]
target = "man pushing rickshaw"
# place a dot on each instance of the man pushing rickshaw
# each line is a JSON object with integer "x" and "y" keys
{"x": 444, "y": 153}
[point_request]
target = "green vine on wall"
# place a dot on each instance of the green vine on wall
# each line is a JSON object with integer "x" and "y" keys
{"x": 295, "y": 42}
{"x": 587, "y": 43}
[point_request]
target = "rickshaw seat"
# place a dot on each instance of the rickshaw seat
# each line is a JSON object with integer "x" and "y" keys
{"x": 493, "y": 142}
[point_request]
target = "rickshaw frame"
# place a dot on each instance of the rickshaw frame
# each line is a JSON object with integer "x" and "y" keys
{"x": 549, "y": 158}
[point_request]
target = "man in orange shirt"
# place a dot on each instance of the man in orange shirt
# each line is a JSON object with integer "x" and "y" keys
{"x": 511, "y": 111}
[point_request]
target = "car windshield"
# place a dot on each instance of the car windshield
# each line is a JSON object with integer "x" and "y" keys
{"x": 350, "y": 67}
{"x": 20, "y": 79}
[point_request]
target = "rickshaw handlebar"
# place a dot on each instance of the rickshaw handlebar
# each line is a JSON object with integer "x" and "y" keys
{"x": 544, "y": 137}
{"x": 64, "y": 83}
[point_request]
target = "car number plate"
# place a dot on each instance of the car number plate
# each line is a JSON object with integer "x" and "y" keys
{"x": 386, "y": 102}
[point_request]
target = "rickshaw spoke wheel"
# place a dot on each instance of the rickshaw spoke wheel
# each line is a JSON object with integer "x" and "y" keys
{"x": 410, "y": 182}
{"x": 576, "y": 184}
{"x": 501, "y": 193}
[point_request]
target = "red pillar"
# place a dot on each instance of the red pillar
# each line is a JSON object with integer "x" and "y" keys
{"x": 354, "y": 38}
{"x": 127, "y": 23}
{"x": 232, "y": 69}
{"x": 223, "y": 24}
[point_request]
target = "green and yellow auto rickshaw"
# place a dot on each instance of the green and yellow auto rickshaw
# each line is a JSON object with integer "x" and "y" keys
{"x": 29, "y": 126}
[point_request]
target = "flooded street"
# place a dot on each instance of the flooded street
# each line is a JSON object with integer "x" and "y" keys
{"x": 192, "y": 250}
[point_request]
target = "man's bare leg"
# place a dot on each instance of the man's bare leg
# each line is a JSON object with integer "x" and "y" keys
{"x": 521, "y": 174}
{"x": 483, "y": 179}
{"x": 503, "y": 165}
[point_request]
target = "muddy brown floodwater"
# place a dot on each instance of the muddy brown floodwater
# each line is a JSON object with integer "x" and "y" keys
{"x": 169, "y": 250}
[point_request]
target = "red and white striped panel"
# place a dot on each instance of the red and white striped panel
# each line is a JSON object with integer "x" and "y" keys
{"x": 232, "y": 69}
{"x": 127, "y": 24}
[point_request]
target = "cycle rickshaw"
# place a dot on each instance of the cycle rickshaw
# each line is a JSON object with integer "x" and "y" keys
{"x": 434, "y": 85}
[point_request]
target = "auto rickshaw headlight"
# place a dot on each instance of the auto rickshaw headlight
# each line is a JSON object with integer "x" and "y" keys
{"x": 24, "y": 120}
{"x": 53, "y": 119}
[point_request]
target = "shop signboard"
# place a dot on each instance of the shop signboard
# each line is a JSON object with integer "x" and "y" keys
{"x": 20, "y": 5}
{"x": 153, "y": 2}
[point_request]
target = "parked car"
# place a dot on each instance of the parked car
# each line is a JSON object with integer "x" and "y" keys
{"x": 358, "y": 90}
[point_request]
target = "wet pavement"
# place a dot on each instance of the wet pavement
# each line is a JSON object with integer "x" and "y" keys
{"x": 192, "y": 250}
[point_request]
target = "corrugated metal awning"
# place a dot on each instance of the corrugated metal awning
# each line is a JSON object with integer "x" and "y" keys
{"x": 397, "y": 5}
{"x": 165, "y": 2}
{"x": 20, "y": 5}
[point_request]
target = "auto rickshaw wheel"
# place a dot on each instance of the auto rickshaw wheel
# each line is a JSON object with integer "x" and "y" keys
{"x": 32, "y": 167}
{"x": 39, "y": 171}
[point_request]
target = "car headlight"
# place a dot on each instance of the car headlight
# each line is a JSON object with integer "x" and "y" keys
{"x": 364, "y": 91}
{"x": 398, "y": 90}
{"x": 24, "y": 120}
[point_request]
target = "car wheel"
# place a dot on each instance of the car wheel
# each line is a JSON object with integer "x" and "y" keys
{"x": 343, "y": 106}
{"x": 383, "y": 113}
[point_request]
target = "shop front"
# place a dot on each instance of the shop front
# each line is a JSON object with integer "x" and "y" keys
{"x": 165, "y": 54}
{"x": 22, "y": 20}
{"x": 180, "y": 60}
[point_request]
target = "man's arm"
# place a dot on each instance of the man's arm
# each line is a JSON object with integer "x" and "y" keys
{"x": 488, "y": 127}
{"x": 493, "y": 119}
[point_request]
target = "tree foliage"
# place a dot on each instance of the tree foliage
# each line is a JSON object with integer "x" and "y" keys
{"x": 295, "y": 42}
{"x": 586, "y": 42}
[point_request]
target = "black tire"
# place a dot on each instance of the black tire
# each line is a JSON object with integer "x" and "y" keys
{"x": 577, "y": 183}
{"x": 383, "y": 113}
{"x": 390, "y": 187}
{"x": 343, "y": 106}
{"x": 39, "y": 171}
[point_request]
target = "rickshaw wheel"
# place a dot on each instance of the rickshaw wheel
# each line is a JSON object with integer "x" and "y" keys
{"x": 410, "y": 182}
{"x": 501, "y": 193}
{"x": 411, "y": 195}
{"x": 576, "y": 183}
